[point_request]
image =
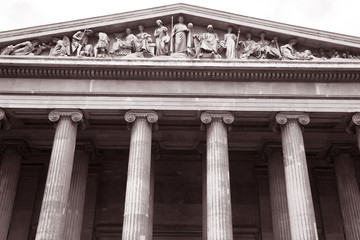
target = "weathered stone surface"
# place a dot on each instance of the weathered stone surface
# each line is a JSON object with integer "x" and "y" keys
{"x": 278, "y": 196}
{"x": 53, "y": 210}
{"x": 348, "y": 189}
{"x": 137, "y": 200}
{"x": 76, "y": 201}
{"x": 9, "y": 177}
{"x": 299, "y": 198}
{"x": 219, "y": 217}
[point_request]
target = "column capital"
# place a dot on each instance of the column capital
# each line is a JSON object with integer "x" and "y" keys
{"x": 20, "y": 146}
{"x": 75, "y": 115}
{"x": 4, "y": 121}
{"x": 89, "y": 148}
{"x": 283, "y": 117}
{"x": 338, "y": 149}
{"x": 208, "y": 117}
{"x": 149, "y": 115}
{"x": 271, "y": 148}
{"x": 355, "y": 121}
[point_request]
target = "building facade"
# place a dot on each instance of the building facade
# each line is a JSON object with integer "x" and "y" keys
{"x": 202, "y": 132}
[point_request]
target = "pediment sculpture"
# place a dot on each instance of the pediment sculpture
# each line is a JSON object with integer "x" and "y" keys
{"x": 180, "y": 40}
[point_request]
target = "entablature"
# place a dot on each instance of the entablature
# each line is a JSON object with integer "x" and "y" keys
{"x": 170, "y": 69}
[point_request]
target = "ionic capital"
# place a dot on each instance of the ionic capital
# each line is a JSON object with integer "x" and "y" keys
{"x": 4, "y": 121}
{"x": 283, "y": 117}
{"x": 339, "y": 149}
{"x": 132, "y": 115}
{"x": 208, "y": 117}
{"x": 355, "y": 121}
{"x": 74, "y": 115}
{"x": 270, "y": 149}
{"x": 19, "y": 146}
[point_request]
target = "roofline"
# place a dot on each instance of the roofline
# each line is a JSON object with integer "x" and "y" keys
{"x": 75, "y": 25}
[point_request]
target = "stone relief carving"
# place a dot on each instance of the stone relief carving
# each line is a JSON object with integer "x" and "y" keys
{"x": 178, "y": 36}
{"x": 80, "y": 40}
{"x": 62, "y": 47}
{"x": 181, "y": 41}
{"x": 102, "y": 46}
{"x": 162, "y": 39}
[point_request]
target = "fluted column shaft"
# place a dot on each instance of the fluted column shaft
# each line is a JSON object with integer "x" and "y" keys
{"x": 349, "y": 195}
{"x": 300, "y": 203}
{"x": 53, "y": 208}
{"x": 219, "y": 217}
{"x": 204, "y": 198}
{"x": 76, "y": 201}
{"x": 9, "y": 177}
{"x": 279, "y": 205}
{"x": 137, "y": 199}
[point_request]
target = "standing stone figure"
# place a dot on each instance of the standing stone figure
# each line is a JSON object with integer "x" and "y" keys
{"x": 179, "y": 34}
{"x": 230, "y": 43}
{"x": 80, "y": 40}
{"x": 264, "y": 46}
{"x": 102, "y": 46}
{"x": 161, "y": 39}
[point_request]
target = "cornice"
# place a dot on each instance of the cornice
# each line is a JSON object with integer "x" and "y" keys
{"x": 175, "y": 69}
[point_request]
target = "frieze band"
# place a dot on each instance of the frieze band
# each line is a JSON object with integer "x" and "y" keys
{"x": 181, "y": 41}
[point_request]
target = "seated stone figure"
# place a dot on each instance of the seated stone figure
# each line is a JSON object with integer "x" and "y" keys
{"x": 142, "y": 41}
{"x": 62, "y": 47}
{"x": 124, "y": 46}
{"x": 250, "y": 47}
{"x": 209, "y": 43}
{"x": 290, "y": 53}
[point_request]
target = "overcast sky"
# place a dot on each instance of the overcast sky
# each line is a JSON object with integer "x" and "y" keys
{"x": 340, "y": 16}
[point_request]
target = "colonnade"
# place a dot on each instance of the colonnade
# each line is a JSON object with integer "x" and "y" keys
{"x": 292, "y": 206}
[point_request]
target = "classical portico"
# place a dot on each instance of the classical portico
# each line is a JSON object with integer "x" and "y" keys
{"x": 185, "y": 145}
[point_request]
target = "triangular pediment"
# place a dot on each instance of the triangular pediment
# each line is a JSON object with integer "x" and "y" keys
{"x": 200, "y": 17}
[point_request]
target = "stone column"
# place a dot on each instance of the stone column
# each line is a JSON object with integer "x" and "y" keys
{"x": 154, "y": 156}
{"x": 76, "y": 201}
{"x": 348, "y": 189}
{"x": 202, "y": 153}
{"x": 219, "y": 217}
{"x": 9, "y": 177}
{"x": 53, "y": 209}
{"x": 277, "y": 185}
{"x": 300, "y": 203}
{"x": 137, "y": 199}
{"x": 355, "y": 122}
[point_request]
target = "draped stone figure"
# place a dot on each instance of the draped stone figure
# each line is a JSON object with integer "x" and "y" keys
{"x": 125, "y": 45}
{"x": 264, "y": 45}
{"x": 102, "y": 46}
{"x": 209, "y": 41}
{"x": 162, "y": 39}
{"x": 230, "y": 43}
{"x": 142, "y": 42}
{"x": 62, "y": 47}
{"x": 179, "y": 34}
{"x": 273, "y": 50}
{"x": 290, "y": 53}
{"x": 249, "y": 47}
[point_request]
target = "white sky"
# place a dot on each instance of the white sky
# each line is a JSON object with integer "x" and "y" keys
{"x": 340, "y": 16}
